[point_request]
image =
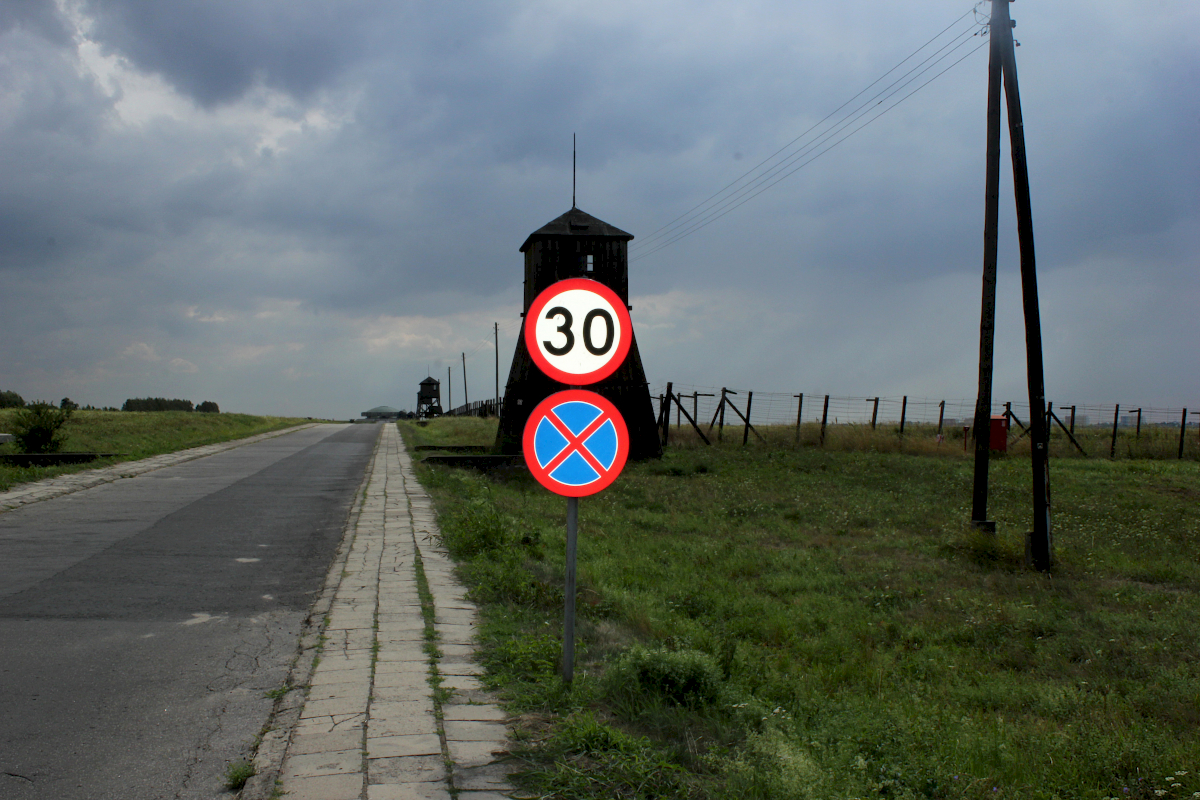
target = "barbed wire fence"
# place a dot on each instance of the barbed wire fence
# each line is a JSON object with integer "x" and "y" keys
{"x": 921, "y": 416}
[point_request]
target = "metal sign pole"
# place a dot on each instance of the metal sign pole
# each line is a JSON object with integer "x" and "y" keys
{"x": 568, "y": 662}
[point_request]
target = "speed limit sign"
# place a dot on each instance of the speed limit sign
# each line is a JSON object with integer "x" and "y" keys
{"x": 578, "y": 331}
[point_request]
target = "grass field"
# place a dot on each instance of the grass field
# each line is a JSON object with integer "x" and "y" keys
{"x": 138, "y": 435}
{"x": 779, "y": 622}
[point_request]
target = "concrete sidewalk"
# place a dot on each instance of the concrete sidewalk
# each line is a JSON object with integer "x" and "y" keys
{"x": 371, "y": 726}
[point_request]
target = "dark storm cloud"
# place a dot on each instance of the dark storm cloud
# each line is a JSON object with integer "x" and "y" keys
{"x": 215, "y": 50}
{"x": 37, "y": 16}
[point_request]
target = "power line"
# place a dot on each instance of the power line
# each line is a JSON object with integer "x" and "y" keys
{"x": 651, "y": 237}
{"x": 742, "y": 197}
{"x": 725, "y": 200}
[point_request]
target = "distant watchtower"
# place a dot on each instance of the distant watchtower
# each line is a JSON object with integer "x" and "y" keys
{"x": 429, "y": 398}
{"x": 577, "y": 245}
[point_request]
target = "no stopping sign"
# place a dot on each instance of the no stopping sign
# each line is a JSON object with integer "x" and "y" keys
{"x": 575, "y": 443}
{"x": 578, "y": 331}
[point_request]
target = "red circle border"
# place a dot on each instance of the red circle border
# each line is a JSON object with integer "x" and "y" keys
{"x": 535, "y": 312}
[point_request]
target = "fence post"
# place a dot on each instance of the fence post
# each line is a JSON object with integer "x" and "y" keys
{"x": 1112, "y": 450}
{"x": 1072, "y": 420}
{"x": 721, "y": 412}
{"x": 941, "y": 415}
{"x": 874, "y": 410}
{"x": 799, "y": 412}
{"x": 1138, "y": 435}
{"x": 903, "y": 411}
{"x": 1182, "y": 431}
{"x": 666, "y": 428}
{"x": 825, "y": 418}
{"x": 746, "y": 430}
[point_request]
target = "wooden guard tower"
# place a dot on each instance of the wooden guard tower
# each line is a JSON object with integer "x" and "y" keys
{"x": 429, "y": 398}
{"x": 577, "y": 245}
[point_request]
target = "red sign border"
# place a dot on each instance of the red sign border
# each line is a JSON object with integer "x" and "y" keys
{"x": 543, "y": 410}
{"x": 535, "y": 313}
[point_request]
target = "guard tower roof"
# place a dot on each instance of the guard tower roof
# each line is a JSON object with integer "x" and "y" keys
{"x": 576, "y": 222}
{"x": 429, "y": 381}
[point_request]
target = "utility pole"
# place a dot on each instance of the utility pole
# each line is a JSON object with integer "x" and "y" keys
{"x": 1003, "y": 65}
{"x": 466, "y": 397}
{"x": 496, "y": 335}
{"x": 449, "y": 393}
{"x": 987, "y": 317}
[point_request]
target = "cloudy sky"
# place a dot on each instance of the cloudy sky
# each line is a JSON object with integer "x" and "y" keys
{"x": 305, "y": 207}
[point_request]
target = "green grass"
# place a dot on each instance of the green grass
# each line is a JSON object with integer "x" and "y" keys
{"x": 866, "y": 641}
{"x": 451, "y": 431}
{"x": 138, "y": 435}
{"x": 237, "y": 773}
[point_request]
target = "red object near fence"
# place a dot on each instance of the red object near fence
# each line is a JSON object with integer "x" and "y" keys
{"x": 999, "y": 433}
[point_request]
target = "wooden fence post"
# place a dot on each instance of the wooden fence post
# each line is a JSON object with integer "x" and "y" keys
{"x": 721, "y": 411}
{"x": 874, "y": 410}
{"x": 666, "y": 428}
{"x": 903, "y": 410}
{"x": 941, "y": 415}
{"x": 1072, "y": 420}
{"x": 825, "y": 418}
{"x": 799, "y": 412}
{"x": 1182, "y": 431}
{"x": 1112, "y": 450}
{"x": 746, "y": 430}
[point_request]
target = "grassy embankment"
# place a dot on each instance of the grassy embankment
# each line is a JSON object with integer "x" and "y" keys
{"x": 795, "y": 623}
{"x": 137, "y": 434}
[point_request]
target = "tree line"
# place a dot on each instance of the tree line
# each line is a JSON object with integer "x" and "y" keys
{"x": 10, "y": 399}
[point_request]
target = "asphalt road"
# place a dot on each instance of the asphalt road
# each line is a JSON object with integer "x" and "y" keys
{"x": 141, "y": 622}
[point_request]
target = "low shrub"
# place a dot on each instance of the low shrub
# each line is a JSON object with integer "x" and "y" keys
{"x": 677, "y": 677}
{"x": 37, "y": 428}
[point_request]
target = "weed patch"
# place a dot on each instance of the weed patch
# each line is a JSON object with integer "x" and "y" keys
{"x": 237, "y": 773}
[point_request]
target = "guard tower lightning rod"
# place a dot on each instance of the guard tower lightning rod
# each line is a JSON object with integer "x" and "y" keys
{"x": 572, "y": 170}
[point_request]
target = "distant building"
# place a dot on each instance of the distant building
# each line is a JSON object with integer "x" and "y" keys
{"x": 382, "y": 412}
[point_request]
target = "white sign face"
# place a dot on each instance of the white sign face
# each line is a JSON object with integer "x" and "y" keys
{"x": 578, "y": 331}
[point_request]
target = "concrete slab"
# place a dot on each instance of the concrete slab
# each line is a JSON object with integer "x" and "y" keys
{"x": 406, "y": 769}
{"x": 475, "y": 754}
{"x": 473, "y": 712}
{"x": 489, "y": 778}
{"x": 424, "y": 744}
{"x": 308, "y": 740}
{"x": 407, "y": 791}
{"x": 326, "y": 787}
{"x": 475, "y": 731}
{"x": 340, "y": 762}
